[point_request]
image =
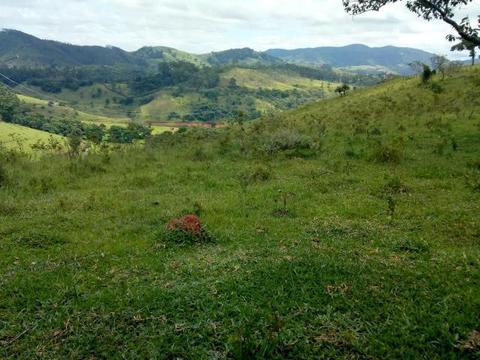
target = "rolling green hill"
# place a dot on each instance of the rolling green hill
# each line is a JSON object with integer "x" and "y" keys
{"x": 20, "y": 49}
{"x": 346, "y": 228}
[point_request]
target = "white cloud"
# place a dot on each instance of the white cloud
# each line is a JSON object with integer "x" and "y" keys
{"x": 202, "y": 25}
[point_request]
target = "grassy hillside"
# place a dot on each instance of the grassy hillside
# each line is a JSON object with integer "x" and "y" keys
{"x": 347, "y": 228}
{"x": 271, "y": 79}
{"x": 15, "y": 136}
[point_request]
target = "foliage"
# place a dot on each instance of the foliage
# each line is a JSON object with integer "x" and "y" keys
{"x": 342, "y": 90}
{"x": 427, "y": 9}
{"x": 9, "y": 104}
{"x": 426, "y": 73}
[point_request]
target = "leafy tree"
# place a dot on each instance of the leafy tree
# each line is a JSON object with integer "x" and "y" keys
{"x": 464, "y": 45}
{"x": 342, "y": 89}
{"x": 9, "y": 104}
{"x": 427, "y": 9}
{"x": 426, "y": 74}
{"x": 440, "y": 64}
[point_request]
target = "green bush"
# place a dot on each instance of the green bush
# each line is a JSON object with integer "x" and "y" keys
{"x": 259, "y": 173}
{"x": 289, "y": 142}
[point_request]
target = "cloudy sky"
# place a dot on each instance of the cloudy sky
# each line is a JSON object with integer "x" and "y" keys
{"x": 201, "y": 26}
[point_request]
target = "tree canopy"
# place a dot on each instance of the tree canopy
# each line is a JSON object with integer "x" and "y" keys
{"x": 427, "y": 9}
{"x": 9, "y": 104}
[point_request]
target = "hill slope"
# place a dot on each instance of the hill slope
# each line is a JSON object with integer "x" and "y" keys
{"x": 390, "y": 58}
{"x": 244, "y": 57}
{"x": 20, "y": 49}
{"x": 11, "y": 136}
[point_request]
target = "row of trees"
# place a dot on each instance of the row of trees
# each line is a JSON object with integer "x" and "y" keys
{"x": 11, "y": 111}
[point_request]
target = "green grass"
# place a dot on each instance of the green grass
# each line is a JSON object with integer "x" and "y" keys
{"x": 372, "y": 256}
{"x": 164, "y": 104}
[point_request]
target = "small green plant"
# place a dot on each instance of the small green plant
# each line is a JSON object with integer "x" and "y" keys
{"x": 395, "y": 186}
{"x": 282, "y": 199}
{"x": 392, "y": 206}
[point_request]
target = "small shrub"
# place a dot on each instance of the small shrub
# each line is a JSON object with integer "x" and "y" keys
{"x": 290, "y": 143}
{"x": 395, "y": 186}
{"x": 259, "y": 173}
{"x": 388, "y": 152}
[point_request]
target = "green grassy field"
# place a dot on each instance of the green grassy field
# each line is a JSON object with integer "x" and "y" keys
{"x": 345, "y": 229}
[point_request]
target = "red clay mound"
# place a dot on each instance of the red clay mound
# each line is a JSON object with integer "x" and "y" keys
{"x": 189, "y": 223}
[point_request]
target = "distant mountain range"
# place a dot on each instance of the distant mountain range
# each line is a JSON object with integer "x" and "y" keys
{"x": 388, "y": 58}
{"x": 20, "y": 49}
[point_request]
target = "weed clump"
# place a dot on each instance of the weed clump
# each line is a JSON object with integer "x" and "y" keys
{"x": 389, "y": 152}
{"x": 257, "y": 174}
{"x": 37, "y": 240}
{"x": 186, "y": 230}
{"x": 411, "y": 246}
